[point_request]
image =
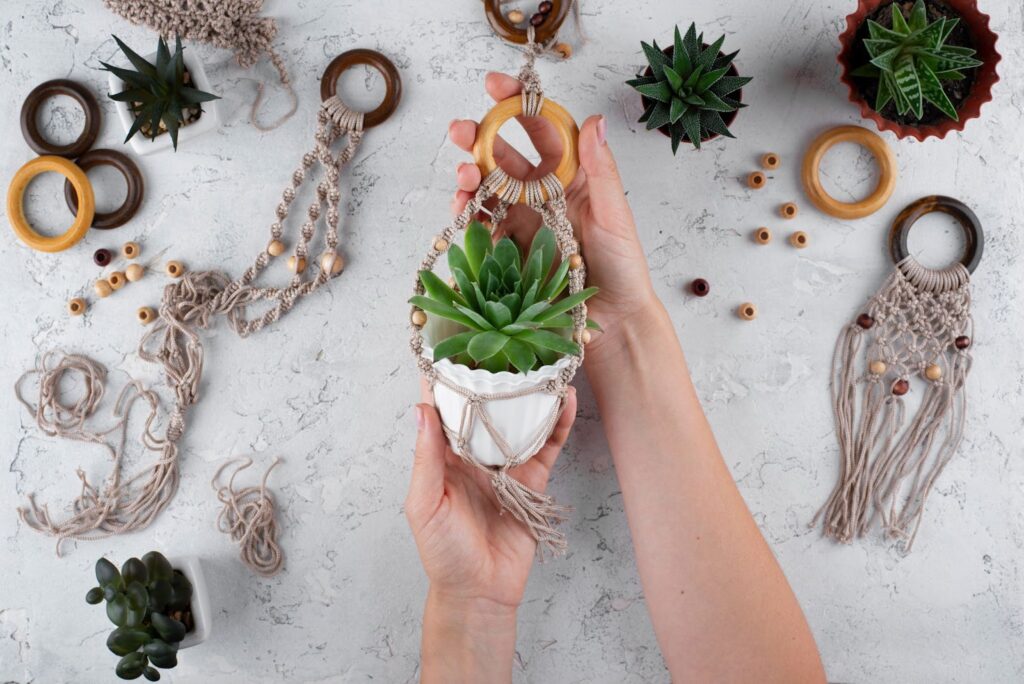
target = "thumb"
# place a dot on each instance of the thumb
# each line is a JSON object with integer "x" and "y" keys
{"x": 608, "y": 205}
{"x": 427, "y": 486}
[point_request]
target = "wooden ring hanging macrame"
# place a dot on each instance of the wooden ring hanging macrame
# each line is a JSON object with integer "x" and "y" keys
{"x": 506, "y": 30}
{"x": 974, "y": 237}
{"x": 372, "y": 58}
{"x": 538, "y": 512}
{"x": 873, "y": 143}
{"x": 916, "y": 330}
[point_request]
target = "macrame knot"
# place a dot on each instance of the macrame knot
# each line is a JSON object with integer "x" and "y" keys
{"x": 248, "y": 516}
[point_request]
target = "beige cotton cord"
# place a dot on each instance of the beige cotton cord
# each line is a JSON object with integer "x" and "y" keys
{"x": 248, "y": 516}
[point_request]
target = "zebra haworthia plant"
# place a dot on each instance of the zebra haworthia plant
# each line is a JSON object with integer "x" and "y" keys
{"x": 911, "y": 60}
{"x": 142, "y": 599}
{"x": 689, "y": 89}
{"x": 509, "y": 307}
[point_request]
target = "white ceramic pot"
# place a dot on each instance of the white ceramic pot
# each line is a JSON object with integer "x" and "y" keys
{"x": 208, "y": 121}
{"x": 201, "y": 614}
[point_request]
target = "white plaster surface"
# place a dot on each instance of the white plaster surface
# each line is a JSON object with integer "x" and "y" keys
{"x": 330, "y": 388}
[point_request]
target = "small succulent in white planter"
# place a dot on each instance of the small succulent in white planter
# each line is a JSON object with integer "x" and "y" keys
{"x": 158, "y": 607}
{"x": 502, "y": 327}
{"x": 161, "y": 98}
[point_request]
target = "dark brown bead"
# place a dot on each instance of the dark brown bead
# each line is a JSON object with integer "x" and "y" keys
{"x": 962, "y": 342}
{"x": 865, "y": 321}
{"x": 900, "y": 387}
{"x": 700, "y": 287}
{"x": 545, "y": 7}
{"x": 101, "y": 257}
{"x": 537, "y": 19}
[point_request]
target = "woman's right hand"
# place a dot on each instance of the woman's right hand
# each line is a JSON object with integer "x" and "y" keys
{"x": 596, "y": 204}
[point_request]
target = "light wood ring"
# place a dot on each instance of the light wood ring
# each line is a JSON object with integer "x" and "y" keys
{"x": 16, "y": 212}
{"x": 870, "y": 141}
{"x": 487, "y": 132}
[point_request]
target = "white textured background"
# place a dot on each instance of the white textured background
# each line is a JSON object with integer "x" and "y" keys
{"x": 330, "y": 387}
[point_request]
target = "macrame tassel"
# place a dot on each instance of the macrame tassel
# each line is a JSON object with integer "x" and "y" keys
{"x": 915, "y": 325}
{"x": 538, "y": 512}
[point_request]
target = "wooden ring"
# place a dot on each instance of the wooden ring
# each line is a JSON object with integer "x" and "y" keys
{"x": 968, "y": 220}
{"x": 392, "y": 81}
{"x": 132, "y": 176}
{"x": 565, "y": 125}
{"x": 870, "y": 141}
{"x": 39, "y": 95}
{"x": 16, "y": 212}
{"x": 512, "y": 33}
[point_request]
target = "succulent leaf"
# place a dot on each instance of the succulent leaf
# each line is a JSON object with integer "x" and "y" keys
{"x": 94, "y": 596}
{"x": 157, "y": 567}
{"x": 108, "y": 575}
{"x": 131, "y": 666}
{"x": 169, "y": 629}
{"x": 125, "y": 640}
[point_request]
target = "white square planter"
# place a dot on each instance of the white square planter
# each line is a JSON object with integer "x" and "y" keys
{"x": 202, "y": 617}
{"x": 209, "y": 121}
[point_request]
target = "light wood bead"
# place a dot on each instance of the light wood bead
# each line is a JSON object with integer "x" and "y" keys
{"x": 419, "y": 318}
{"x": 575, "y": 261}
{"x": 877, "y": 367}
{"x": 76, "y": 306}
{"x": 146, "y": 315}
{"x": 788, "y": 210}
{"x": 770, "y": 160}
{"x": 130, "y": 250}
{"x": 175, "y": 269}
{"x": 441, "y": 245}
{"x": 296, "y": 264}
{"x": 798, "y": 239}
{"x": 117, "y": 280}
{"x": 756, "y": 180}
{"x": 275, "y": 248}
{"x": 102, "y": 288}
{"x": 762, "y": 236}
{"x": 332, "y": 262}
{"x": 583, "y": 337}
{"x": 747, "y": 311}
{"x": 134, "y": 272}
{"x": 564, "y": 50}
{"x": 452, "y": 284}
{"x": 516, "y": 16}
{"x": 933, "y": 372}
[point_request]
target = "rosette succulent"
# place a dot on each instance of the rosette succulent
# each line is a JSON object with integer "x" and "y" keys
{"x": 509, "y": 307}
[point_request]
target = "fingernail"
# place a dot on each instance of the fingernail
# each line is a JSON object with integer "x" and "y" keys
{"x": 420, "y": 417}
{"x": 602, "y": 130}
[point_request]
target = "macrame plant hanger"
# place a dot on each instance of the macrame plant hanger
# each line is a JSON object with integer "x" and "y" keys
{"x": 916, "y": 329}
{"x": 190, "y": 304}
{"x": 538, "y": 512}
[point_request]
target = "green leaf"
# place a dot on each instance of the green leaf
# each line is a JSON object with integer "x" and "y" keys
{"x": 445, "y": 311}
{"x": 716, "y": 104}
{"x": 947, "y": 28}
{"x": 452, "y": 346}
{"x": 691, "y": 80}
{"x": 516, "y": 328}
{"x": 159, "y": 595}
{"x": 680, "y": 59}
{"x": 496, "y": 364}
{"x": 520, "y": 355}
{"x": 695, "y": 100}
{"x": 478, "y": 246}
{"x": 132, "y": 78}
{"x": 498, "y": 314}
{"x": 549, "y": 340}
{"x": 137, "y": 61}
{"x": 691, "y": 125}
{"x": 655, "y": 57}
{"x": 713, "y": 123}
{"x": 878, "y": 46}
{"x": 899, "y": 24}
{"x": 512, "y": 302}
{"x": 710, "y": 53}
{"x": 481, "y": 322}
{"x": 879, "y": 32}
{"x": 675, "y": 81}
{"x": 134, "y": 570}
{"x": 568, "y": 303}
{"x": 947, "y": 61}
{"x": 151, "y": 674}
{"x": 676, "y": 135}
{"x": 457, "y": 260}
{"x": 532, "y": 275}
{"x": 192, "y": 96}
{"x": 138, "y": 597}
{"x": 909, "y": 84}
{"x": 656, "y": 91}
{"x": 884, "y": 95}
{"x": 131, "y": 666}
{"x": 169, "y": 629}
{"x": 107, "y": 574}
{"x": 94, "y": 595}
{"x": 691, "y": 44}
{"x": 438, "y": 289}
{"x": 676, "y": 109}
{"x": 659, "y": 116}
{"x": 125, "y": 640}
{"x": 868, "y": 70}
{"x": 932, "y": 90}
{"x": 158, "y": 648}
{"x": 918, "y": 16}
{"x": 117, "y": 610}
{"x": 530, "y": 313}
{"x": 730, "y": 84}
{"x": 181, "y": 592}
{"x": 507, "y": 254}
{"x": 642, "y": 80}
{"x": 486, "y": 344}
{"x": 466, "y": 286}
{"x": 886, "y": 60}
{"x": 710, "y": 78}
{"x": 530, "y": 297}
{"x": 557, "y": 282}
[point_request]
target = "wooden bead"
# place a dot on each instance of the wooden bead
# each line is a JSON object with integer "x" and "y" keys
{"x": 877, "y": 367}
{"x": 700, "y": 287}
{"x": 933, "y": 371}
{"x": 788, "y": 210}
{"x": 537, "y": 19}
{"x": 865, "y": 321}
{"x": 102, "y": 288}
{"x": 275, "y": 248}
{"x": 130, "y": 250}
{"x": 564, "y": 50}
{"x": 441, "y": 245}
{"x": 101, "y": 257}
{"x": 962, "y": 342}
{"x": 134, "y": 272}
{"x": 798, "y": 239}
{"x": 419, "y": 318}
{"x": 756, "y": 180}
{"x": 146, "y": 315}
{"x": 900, "y": 387}
{"x": 332, "y": 262}
{"x": 582, "y": 337}
{"x": 762, "y": 236}
{"x": 175, "y": 269}
{"x": 516, "y": 16}
{"x": 117, "y": 280}
{"x": 770, "y": 160}
{"x": 452, "y": 284}
{"x": 296, "y": 264}
{"x": 76, "y": 306}
{"x": 747, "y": 311}
{"x": 545, "y": 7}
{"x": 575, "y": 261}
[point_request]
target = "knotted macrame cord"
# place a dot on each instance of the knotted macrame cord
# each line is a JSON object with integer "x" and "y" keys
{"x": 248, "y": 516}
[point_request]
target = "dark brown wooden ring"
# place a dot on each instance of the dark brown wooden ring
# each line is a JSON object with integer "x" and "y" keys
{"x": 393, "y": 82}
{"x": 40, "y": 94}
{"x": 512, "y": 33}
{"x": 132, "y": 176}
{"x": 967, "y": 219}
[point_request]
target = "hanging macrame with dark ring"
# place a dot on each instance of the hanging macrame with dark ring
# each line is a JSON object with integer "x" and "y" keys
{"x": 917, "y": 330}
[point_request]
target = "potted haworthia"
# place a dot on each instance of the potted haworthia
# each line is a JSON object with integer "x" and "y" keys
{"x": 157, "y": 606}
{"x": 690, "y": 91}
{"x": 160, "y": 98}
{"x": 502, "y": 326}
{"x": 919, "y": 68}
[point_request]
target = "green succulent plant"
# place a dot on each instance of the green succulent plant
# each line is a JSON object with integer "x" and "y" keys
{"x": 689, "y": 90}
{"x": 911, "y": 60}
{"x": 509, "y": 306}
{"x": 158, "y": 92}
{"x": 141, "y": 599}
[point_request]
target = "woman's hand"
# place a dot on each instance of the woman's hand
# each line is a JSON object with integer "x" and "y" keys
{"x": 597, "y": 209}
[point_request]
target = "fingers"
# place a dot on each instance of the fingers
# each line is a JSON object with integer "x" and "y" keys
{"x": 608, "y": 204}
{"x": 549, "y": 452}
{"x": 427, "y": 486}
{"x": 501, "y": 86}
{"x": 462, "y": 132}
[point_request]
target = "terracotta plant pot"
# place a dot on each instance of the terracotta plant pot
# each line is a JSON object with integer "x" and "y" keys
{"x": 727, "y": 117}
{"x": 984, "y": 77}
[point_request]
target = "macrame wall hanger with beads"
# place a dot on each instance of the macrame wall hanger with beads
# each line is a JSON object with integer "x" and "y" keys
{"x": 514, "y": 25}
